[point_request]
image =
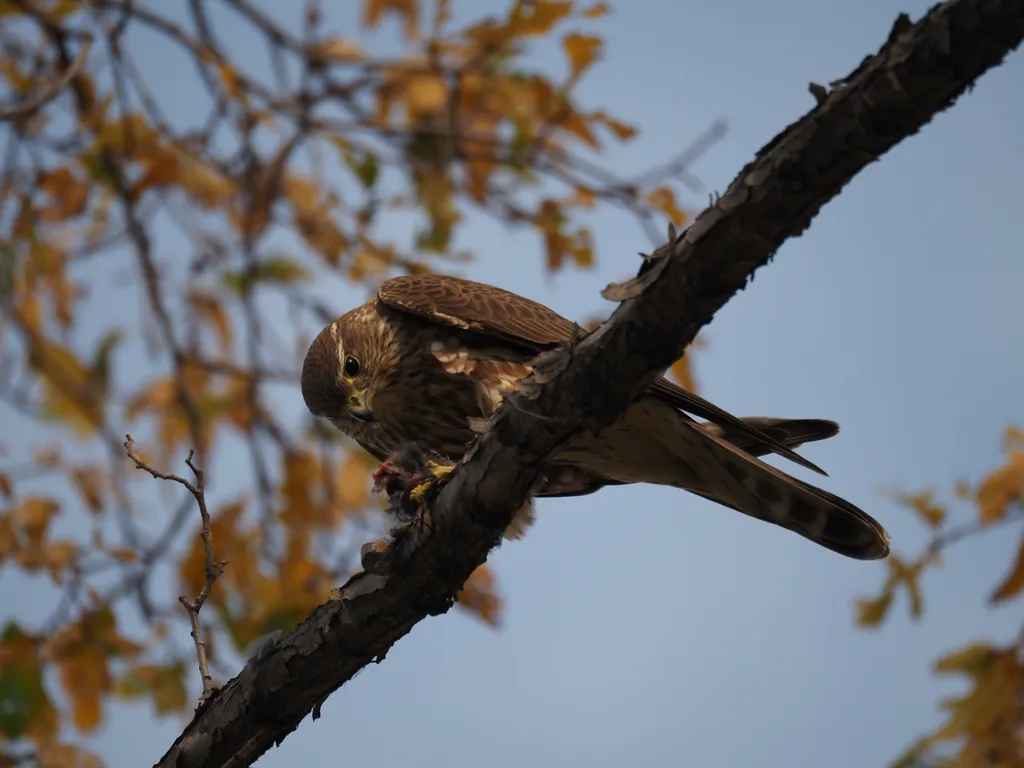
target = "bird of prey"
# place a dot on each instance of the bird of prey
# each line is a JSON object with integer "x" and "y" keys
{"x": 429, "y": 355}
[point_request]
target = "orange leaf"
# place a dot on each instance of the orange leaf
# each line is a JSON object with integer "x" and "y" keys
{"x": 596, "y": 11}
{"x": 1013, "y": 584}
{"x": 664, "y": 199}
{"x": 89, "y": 483}
{"x": 542, "y": 17}
{"x": 1004, "y": 486}
{"x": 478, "y": 595}
{"x": 582, "y": 50}
{"x": 68, "y": 192}
{"x": 407, "y": 10}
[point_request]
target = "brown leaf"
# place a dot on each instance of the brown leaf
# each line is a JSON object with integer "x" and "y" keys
{"x": 1013, "y": 583}
{"x": 596, "y": 11}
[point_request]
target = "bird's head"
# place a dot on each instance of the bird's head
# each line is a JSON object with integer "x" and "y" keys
{"x": 338, "y": 373}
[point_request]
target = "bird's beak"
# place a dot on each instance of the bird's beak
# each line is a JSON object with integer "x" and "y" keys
{"x": 359, "y": 406}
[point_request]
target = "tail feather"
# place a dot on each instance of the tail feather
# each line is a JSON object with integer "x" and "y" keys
{"x": 760, "y": 490}
{"x": 791, "y": 433}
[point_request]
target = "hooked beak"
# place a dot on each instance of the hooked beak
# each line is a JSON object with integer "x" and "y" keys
{"x": 359, "y": 406}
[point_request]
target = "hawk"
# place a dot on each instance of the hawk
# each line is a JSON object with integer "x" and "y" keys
{"x": 430, "y": 354}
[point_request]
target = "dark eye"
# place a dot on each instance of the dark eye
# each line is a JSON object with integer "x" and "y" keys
{"x": 351, "y": 368}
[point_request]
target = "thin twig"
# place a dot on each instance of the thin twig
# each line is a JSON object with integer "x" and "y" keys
{"x": 213, "y": 568}
{"x": 49, "y": 92}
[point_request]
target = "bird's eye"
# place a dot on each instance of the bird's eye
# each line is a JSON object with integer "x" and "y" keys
{"x": 351, "y": 368}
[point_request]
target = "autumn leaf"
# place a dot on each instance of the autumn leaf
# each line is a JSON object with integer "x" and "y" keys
{"x": 165, "y": 685}
{"x": 406, "y": 10}
{"x": 871, "y": 613}
{"x": 582, "y": 51}
{"x": 24, "y": 702}
{"x": 924, "y": 505}
{"x": 597, "y": 10}
{"x": 478, "y": 596}
{"x": 664, "y": 199}
{"x": 1001, "y": 488}
{"x": 339, "y": 49}
{"x": 538, "y": 18}
{"x": 1013, "y": 583}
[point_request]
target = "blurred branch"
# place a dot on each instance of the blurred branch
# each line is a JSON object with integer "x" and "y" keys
{"x": 49, "y": 91}
{"x": 919, "y": 72}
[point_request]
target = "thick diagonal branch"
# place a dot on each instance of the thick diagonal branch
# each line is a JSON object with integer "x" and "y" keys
{"x": 919, "y": 71}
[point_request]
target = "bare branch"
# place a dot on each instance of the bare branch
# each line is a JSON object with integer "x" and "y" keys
{"x": 916, "y": 74}
{"x": 213, "y": 568}
{"x": 49, "y": 91}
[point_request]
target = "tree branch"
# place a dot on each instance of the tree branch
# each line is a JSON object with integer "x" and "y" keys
{"x": 919, "y": 71}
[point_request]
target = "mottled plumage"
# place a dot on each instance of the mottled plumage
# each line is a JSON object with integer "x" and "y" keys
{"x": 428, "y": 355}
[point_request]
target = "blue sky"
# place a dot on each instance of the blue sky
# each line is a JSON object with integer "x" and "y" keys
{"x": 644, "y": 626}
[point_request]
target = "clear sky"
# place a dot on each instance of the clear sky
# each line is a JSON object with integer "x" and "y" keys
{"x": 647, "y": 627}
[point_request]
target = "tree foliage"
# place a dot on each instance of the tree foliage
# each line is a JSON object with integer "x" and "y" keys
{"x": 162, "y": 274}
{"x": 985, "y": 725}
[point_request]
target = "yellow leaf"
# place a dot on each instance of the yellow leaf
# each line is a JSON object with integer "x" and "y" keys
{"x": 924, "y": 505}
{"x": 596, "y": 11}
{"x": 85, "y": 679}
{"x": 582, "y": 50}
{"x": 682, "y": 372}
{"x": 352, "y": 485}
{"x": 664, "y": 199}
{"x": 340, "y": 49}
{"x": 1001, "y": 488}
{"x": 871, "y": 613}
{"x": 1013, "y": 583}
{"x": 210, "y": 309}
{"x": 973, "y": 659}
{"x": 67, "y": 391}
{"x": 166, "y": 685}
{"x": 622, "y": 131}
{"x": 56, "y": 755}
{"x": 478, "y": 595}
{"x": 424, "y": 95}
{"x": 89, "y": 483}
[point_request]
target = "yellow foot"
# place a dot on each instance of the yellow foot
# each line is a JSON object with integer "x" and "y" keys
{"x": 438, "y": 471}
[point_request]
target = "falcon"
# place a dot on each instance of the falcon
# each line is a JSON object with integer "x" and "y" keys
{"x": 429, "y": 355}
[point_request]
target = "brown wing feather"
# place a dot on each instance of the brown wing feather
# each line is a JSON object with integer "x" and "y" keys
{"x": 477, "y": 307}
{"x": 486, "y": 309}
